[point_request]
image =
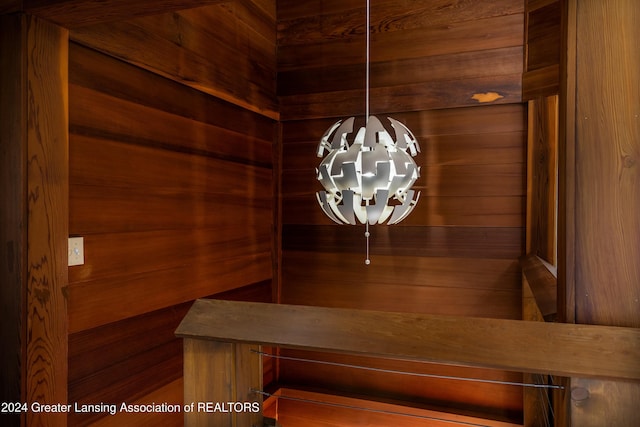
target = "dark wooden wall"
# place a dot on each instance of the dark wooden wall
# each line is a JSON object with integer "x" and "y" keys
{"x": 452, "y": 72}
{"x": 172, "y": 189}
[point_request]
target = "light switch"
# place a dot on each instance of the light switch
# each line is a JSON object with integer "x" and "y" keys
{"x": 76, "y": 251}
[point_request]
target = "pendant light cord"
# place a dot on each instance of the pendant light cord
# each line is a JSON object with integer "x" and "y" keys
{"x": 367, "y": 261}
{"x": 368, "y": 48}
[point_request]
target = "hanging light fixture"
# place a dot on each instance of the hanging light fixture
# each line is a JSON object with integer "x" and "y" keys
{"x": 367, "y": 175}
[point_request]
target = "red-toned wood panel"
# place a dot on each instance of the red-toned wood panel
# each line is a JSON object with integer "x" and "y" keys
{"x": 127, "y": 83}
{"x": 128, "y": 359}
{"x": 476, "y": 397}
{"x": 457, "y": 242}
{"x": 172, "y": 190}
{"x": 294, "y": 16}
{"x": 468, "y": 65}
{"x": 486, "y": 211}
{"x": 298, "y": 407}
{"x": 393, "y": 45}
{"x": 436, "y": 66}
{"x": 229, "y": 30}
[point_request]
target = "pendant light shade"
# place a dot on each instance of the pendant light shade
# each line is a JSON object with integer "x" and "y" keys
{"x": 367, "y": 175}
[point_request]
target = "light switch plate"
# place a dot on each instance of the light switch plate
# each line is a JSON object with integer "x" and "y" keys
{"x": 76, "y": 251}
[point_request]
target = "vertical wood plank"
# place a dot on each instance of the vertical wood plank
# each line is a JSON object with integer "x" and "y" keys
{"x": 48, "y": 217}
{"x": 34, "y": 238}
{"x": 567, "y": 168}
{"x": 600, "y": 274}
{"x": 608, "y": 158}
{"x": 218, "y": 374}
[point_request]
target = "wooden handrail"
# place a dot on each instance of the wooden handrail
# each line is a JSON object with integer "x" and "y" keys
{"x": 569, "y": 350}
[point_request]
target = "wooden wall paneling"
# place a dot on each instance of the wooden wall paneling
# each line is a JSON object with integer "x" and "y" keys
{"x": 457, "y": 37}
{"x": 398, "y": 72}
{"x": 324, "y": 410}
{"x": 543, "y": 44}
{"x": 457, "y": 242}
{"x": 129, "y": 83}
{"x": 77, "y": 13}
{"x": 152, "y": 43}
{"x": 446, "y": 393}
{"x": 34, "y": 126}
{"x": 483, "y": 211}
{"x": 171, "y": 393}
{"x": 135, "y": 358}
{"x": 405, "y": 75}
{"x": 425, "y": 62}
{"x": 409, "y": 97}
{"x": 542, "y": 178}
{"x": 174, "y": 204}
{"x": 184, "y": 182}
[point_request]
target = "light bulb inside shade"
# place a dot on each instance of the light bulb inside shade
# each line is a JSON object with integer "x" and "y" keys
{"x": 367, "y": 177}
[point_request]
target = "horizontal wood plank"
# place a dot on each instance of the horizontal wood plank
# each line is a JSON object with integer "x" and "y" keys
{"x": 104, "y": 209}
{"x": 580, "y": 350}
{"x": 311, "y": 409}
{"x": 97, "y": 72}
{"x": 457, "y": 242}
{"x": 442, "y": 300}
{"x": 441, "y": 272}
{"x": 171, "y": 393}
{"x": 456, "y": 37}
{"x": 488, "y": 119}
{"x": 75, "y": 13}
{"x": 408, "y": 97}
{"x": 122, "y": 120}
{"x": 152, "y": 43}
{"x": 454, "y": 389}
{"x": 99, "y": 302}
{"x": 164, "y": 250}
{"x": 484, "y": 211}
{"x": 398, "y": 72}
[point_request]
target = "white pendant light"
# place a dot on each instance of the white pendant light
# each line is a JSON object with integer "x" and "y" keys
{"x": 367, "y": 175}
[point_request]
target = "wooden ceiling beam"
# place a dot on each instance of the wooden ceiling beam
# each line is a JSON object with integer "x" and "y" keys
{"x": 77, "y": 13}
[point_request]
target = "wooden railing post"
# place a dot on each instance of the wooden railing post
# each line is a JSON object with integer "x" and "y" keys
{"x": 219, "y": 379}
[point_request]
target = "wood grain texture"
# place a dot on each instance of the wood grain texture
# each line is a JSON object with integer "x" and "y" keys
{"x": 608, "y": 200}
{"x": 543, "y": 48}
{"x": 457, "y": 242}
{"x": 611, "y": 402}
{"x": 581, "y": 350}
{"x": 171, "y": 393}
{"x": 431, "y": 70}
{"x": 405, "y": 382}
{"x": 47, "y": 138}
{"x": 134, "y": 358}
{"x": 542, "y": 178}
{"x": 325, "y": 410}
{"x": 172, "y": 190}
{"x": 567, "y": 179}
{"x": 219, "y": 372}
{"x": 153, "y": 43}
{"x": 74, "y": 13}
